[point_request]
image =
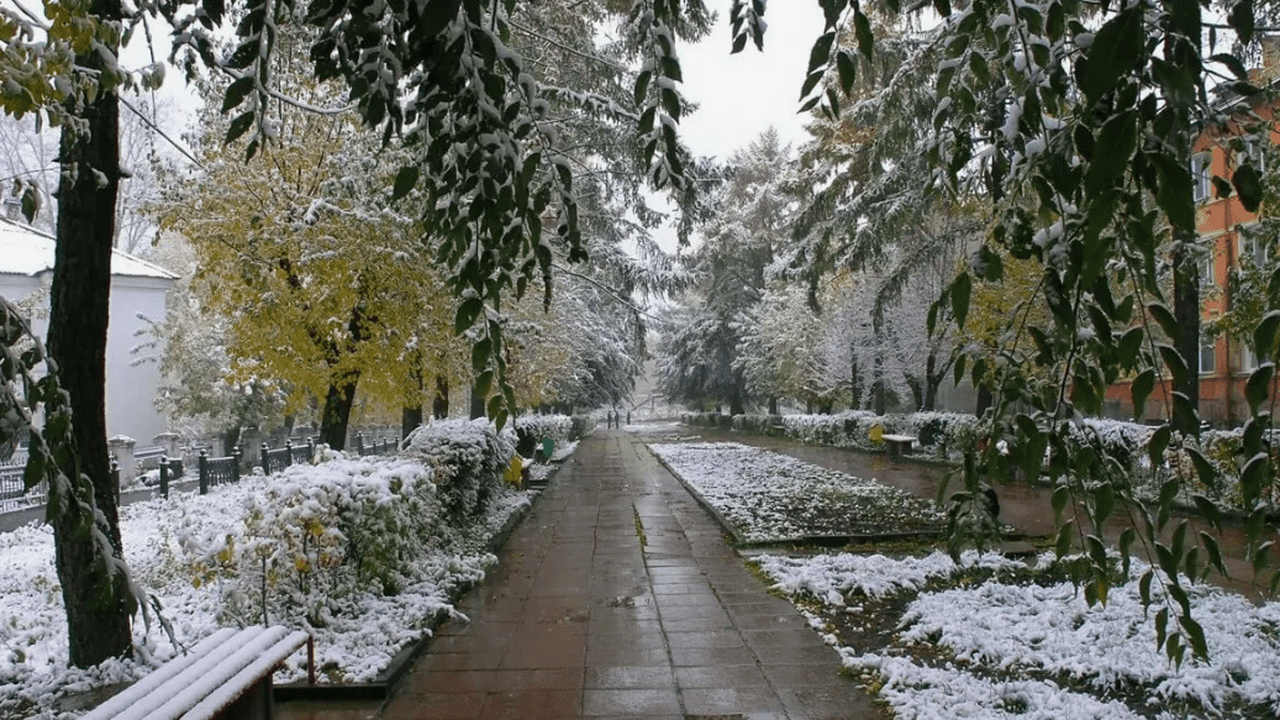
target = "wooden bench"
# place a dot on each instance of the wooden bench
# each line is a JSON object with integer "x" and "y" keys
{"x": 898, "y": 445}
{"x": 226, "y": 676}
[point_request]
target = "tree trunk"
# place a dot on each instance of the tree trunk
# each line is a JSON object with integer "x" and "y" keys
{"x": 477, "y": 403}
{"x": 984, "y": 399}
{"x": 98, "y": 607}
{"x": 879, "y": 386}
{"x": 855, "y": 388}
{"x": 440, "y": 405}
{"x": 230, "y": 438}
{"x": 735, "y": 404}
{"x": 337, "y": 411}
{"x": 1186, "y": 310}
{"x": 916, "y": 385}
{"x": 932, "y": 379}
{"x": 410, "y": 419}
{"x": 773, "y": 404}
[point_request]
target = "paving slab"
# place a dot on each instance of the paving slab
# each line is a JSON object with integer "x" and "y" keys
{"x": 619, "y": 597}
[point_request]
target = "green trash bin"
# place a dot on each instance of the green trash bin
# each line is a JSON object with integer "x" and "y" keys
{"x": 548, "y": 447}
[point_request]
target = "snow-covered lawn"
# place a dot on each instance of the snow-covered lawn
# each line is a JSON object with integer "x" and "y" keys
{"x": 993, "y": 637}
{"x": 768, "y": 497}
{"x": 1007, "y": 641}
{"x": 179, "y": 551}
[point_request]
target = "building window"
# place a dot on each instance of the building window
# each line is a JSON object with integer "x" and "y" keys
{"x": 1208, "y": 360}
{"x": 1201, "y": 178}
{"x": 1254, "y": 155}
{"x": 1255, "y": 248}
{"x": 1250, "y": 359}
{"x": 1207, "y": 277}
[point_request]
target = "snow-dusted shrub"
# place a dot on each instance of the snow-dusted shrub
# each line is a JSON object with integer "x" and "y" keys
{"x": 946, "y": 434}
{"x": 704, "y": 419}
{"x": 467, "y": 457}
{"x": 759, "y": 424}
{"x": 312, "y": 535}
{"x": 850, "y": 429}
{"x": 583, "y": 425}
{"x": 531, "y": 429}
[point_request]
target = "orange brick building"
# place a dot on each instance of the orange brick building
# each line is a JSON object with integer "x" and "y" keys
{"x": 1225, "y": 362}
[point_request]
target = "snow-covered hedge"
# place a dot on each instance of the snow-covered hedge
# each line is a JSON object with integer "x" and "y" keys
{"x": 311, "y": 536}
{"x": 467, "y": 458}
{"x": 532, "y": 429}
{"x": 945, "y": 436}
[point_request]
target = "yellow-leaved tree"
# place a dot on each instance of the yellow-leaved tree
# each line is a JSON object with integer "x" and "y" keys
{"x": 325, "y": 283}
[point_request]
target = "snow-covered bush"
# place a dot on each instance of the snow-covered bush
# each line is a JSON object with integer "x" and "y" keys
{"x": 467, "y": 457}
{"x": 945, "y": 436}
{"x": 312, "y": 535}
{"x": 583, "y": 425}
{"x": 532, "y": 429}
{"x": 759, "y": 424}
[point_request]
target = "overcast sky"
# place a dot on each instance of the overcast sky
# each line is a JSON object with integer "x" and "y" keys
{"x": 741, "y": 95}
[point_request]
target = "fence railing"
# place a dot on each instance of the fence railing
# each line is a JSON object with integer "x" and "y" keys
{"x": 210, "y": 471}
{"x": 218, "y": 471}
{"x": 375, "y": 447}
{"x": 12, "y": 491}
{"x": 281, "y": 458}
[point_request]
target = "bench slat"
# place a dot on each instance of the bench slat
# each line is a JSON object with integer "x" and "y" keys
{"x": 265, "y": 663}
{"x": 205, "y": 677}
{"x": 113, "y": 707}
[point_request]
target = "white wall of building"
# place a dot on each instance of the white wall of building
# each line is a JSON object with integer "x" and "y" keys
{"x": 137, "y": 288}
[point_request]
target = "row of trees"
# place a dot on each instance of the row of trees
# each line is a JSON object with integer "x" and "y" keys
{"x": 773, "y": 318}
{"x": 510, "y": 139}
{"x": 1026, "y": 168}
{"x": 520, "y": 143}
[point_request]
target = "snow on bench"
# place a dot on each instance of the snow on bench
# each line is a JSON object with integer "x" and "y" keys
{"x": 898, "y": 445}
{"x": 226, "y": 675}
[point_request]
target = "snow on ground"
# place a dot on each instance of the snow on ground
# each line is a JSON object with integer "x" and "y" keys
{"x": 163, "y": 541}
{"x": 769, "y": 497}
{"x": 1006, "y": 645}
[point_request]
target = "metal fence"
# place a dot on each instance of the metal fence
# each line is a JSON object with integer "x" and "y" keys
{"x": 12, "y": 492}
{"x": 211, "y": 471}
{"x": 375, "y": 447}
{"x": 218, "y": 471}
{"x": 281, "y": 458}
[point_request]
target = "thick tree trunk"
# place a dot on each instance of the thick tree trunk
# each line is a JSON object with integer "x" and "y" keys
{"x": 337, "y": 411}
{"x": 1186, "y": 310}
{"x": 230, "y": 438}
{"x": 855, "y": 390}
{"x": 879, "y": 386}
{"x": 917, "y": 387}
{"x": 773, "y": 404}
{"x": 440, "y": 405}
{"x": 736, "y": 406}
{"x": 477, "y": 403}
{"x": 410, "y": 419}
{"x": 932, "y": 379}
{"x": 984, "y": 400}
{"x": 98, "y": 622}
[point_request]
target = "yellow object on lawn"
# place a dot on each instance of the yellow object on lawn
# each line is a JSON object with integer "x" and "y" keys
{"x": 876, "y": 434}
{"x": 514, "y": 470}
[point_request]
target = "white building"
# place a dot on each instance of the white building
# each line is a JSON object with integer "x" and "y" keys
{"x": 137, "y": 288}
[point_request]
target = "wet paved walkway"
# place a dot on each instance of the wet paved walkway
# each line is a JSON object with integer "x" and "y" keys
{"x": 619, "y": 597}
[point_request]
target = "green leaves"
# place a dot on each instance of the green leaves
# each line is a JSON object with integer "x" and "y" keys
{"x": 1115, "y": 146}
{"x": 961, "y": 289}
{"x": 1241, "y": 18}
{"x": 406, "y": 179}
{"x": 1116, "y": 49}
{"x": 1248, "y": 186}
